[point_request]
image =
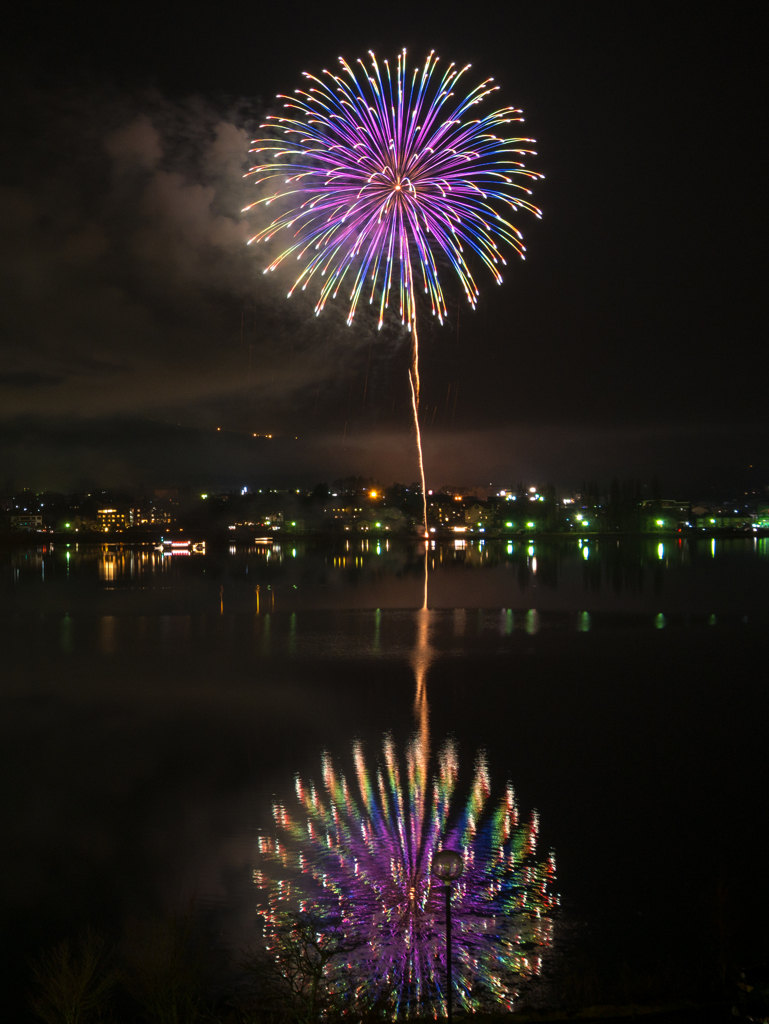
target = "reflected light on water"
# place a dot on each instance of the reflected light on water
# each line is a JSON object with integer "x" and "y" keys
{"x": 65, "y": 635}
{"x": 360, "y": 852}
{"x": 107, "y": 634}
{"x": 532, "y": 621}
{"x": 601, "y": 575}
{"x": 421, "y": 659}
{"x": 361, "y": 857}
{"x": 377, "y": 630}
{"x": 460, "y": 620}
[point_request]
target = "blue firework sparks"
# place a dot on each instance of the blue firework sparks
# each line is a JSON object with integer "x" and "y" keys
{"x": 383, "y": 172}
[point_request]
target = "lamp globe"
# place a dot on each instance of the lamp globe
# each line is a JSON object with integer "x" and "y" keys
{"x": 447, "y": 865}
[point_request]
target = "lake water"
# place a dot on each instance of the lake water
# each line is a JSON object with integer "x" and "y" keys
{"x": 152, "y": 705}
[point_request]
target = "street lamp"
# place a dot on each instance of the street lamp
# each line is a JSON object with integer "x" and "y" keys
{"x": 448, "y": 866}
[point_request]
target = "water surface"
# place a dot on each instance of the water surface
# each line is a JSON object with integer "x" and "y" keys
{"x": 152, "y": 705}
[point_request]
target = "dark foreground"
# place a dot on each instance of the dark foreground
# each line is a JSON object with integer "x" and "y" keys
{"x": 168, "y": 971}
{"x": 707, "y": 1013}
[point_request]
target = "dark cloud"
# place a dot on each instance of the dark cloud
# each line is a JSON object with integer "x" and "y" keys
{"x": 127, "y": 286}
{"x": 119, "y": 452}
{"x": 28, "y": 379}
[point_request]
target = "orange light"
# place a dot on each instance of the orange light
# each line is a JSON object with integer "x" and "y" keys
{"x": 372, "y": 494}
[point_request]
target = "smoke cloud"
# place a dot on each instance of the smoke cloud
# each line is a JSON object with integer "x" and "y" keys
{"x": 127, "y": 286}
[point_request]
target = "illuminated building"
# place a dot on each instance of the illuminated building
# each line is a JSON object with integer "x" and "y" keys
{"x": 721, "y": 522}
{"x": 27, "y": 522}
{"x": 478, "y": 515}
{"x": 120, "y": 516}
{"x": 114, "y": 519}
{"x": 151, "y": 516}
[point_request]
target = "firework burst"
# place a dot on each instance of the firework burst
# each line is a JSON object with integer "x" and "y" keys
{"x": 360, "y": 855}
{"x": 386, "y": 176}
{"x": 386, "y": 171}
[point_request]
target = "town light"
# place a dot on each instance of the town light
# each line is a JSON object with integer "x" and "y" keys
{"x": 447, "y": 866}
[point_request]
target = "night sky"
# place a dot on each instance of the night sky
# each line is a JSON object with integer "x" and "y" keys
{"x": 134, "y": 322}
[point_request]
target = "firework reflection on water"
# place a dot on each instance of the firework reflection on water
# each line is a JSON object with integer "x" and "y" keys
{"x": 358, "y": 851}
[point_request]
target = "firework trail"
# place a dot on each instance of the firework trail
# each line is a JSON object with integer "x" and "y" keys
{"x": 386, "y": 178}
{"x": 360, "y": 853}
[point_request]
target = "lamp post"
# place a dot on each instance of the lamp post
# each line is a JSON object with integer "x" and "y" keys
{"x": 448, "y": 866}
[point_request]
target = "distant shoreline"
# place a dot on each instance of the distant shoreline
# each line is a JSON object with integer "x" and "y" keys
{"x": 19, "y": 538}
